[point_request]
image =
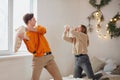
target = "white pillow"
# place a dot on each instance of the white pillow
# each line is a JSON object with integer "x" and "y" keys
{"x": 18, "y": 41}
{"x": 97, "y": 64}
{"x": 110, "y": 66}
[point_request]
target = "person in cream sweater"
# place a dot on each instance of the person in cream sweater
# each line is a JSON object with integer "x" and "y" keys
{"x": 80, "y": 42}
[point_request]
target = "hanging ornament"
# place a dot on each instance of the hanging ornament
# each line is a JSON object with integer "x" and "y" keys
{"x": 98, "y": 26}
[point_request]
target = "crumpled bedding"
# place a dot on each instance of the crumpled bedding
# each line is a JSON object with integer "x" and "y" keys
{"x": 70, "y": 77}
{"x": 111, "y": 77}
{"x": 104, "y": 77}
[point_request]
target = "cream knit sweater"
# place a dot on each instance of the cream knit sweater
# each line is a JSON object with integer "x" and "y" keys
{"x": 79, "y": 41}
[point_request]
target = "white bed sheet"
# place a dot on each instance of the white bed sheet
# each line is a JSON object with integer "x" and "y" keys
{"x": 70, "y": 77}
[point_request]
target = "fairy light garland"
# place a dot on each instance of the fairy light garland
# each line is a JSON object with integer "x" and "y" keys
{"x": 104, "y": 36}
{"x": 98, "y": 15}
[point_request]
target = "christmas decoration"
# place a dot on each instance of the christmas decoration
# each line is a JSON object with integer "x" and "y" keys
{"x": 101, "y": 4}
{"x": 98, "y": 15}
{"x": 113, "y": 29}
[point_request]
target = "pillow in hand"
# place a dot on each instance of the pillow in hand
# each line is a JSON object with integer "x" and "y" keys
{"x": 18, "y": 41}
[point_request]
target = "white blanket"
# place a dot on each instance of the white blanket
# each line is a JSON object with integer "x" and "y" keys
{"x": 70, "y": 77}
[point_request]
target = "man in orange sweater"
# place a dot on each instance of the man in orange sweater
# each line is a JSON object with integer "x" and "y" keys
{"x": 39, "y": 47}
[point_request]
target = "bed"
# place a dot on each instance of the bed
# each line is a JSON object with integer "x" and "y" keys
{"x": 109, "y": 69}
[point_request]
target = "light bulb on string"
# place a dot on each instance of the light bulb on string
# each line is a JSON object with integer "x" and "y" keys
{"x": 97, "y": 13}
{"x": 107, "y": 25}
{"x": 98, "y": 30}
{"x": 115, "y": 19}
{"x": 111, "y": 20}
{"x": 107, "y": 32}
{"x": 105, "y": 36}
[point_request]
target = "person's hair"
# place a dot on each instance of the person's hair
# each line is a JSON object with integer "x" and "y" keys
{"x": 27, "y": 17}
{"x": 84, "y": 28}
{"x": 85, "y": 31}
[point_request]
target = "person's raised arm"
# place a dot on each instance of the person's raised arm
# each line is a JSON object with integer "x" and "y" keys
{"x": 65, "y": 34}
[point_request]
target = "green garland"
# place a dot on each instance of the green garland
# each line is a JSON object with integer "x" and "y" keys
{"x": 112, "y": 28}
{"x": 98, "y": 6}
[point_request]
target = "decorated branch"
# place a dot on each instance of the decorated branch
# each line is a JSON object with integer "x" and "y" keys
{"x": 98, "y": 6}
{"x": 113, "y": 29}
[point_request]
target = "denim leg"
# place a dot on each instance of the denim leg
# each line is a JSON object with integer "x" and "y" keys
{"x": 88, "y": 69}
{"x": 86, "y": 66}
{"x": 77, "y": 69}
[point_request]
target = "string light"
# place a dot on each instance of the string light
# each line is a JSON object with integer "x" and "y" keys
{"x": 100, "y": 34}
{"x": 98, "y": 30}
{"x": 98, "y": 15}
{"x": 111, "y": 20}
{"x": 106, "y": 25}
{"x": 107, "y": 32}
{"x": 115, "y": 19}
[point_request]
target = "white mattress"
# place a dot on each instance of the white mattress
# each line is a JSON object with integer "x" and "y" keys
{"x": 111, "y": 77}
{"x": 71, "y": 78}
{"x": 67, "y": 78}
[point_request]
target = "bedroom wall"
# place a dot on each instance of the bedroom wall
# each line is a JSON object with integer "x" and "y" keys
{"x": 54, "y": 14}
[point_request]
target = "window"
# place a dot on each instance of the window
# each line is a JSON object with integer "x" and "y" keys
{"x": 11, "y": 17}
{"x": 4, "y": 25}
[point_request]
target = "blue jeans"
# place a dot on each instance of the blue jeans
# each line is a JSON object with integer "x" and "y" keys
{"x": 82, "y": 62}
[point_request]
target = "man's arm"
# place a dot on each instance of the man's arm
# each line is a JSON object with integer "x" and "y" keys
{"x": 41, "y": 29}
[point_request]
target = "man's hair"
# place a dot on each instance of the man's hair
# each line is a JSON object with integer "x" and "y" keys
{"x": 27, "y": 17}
